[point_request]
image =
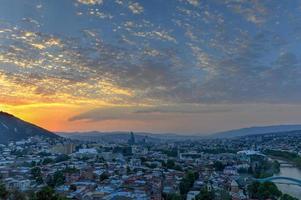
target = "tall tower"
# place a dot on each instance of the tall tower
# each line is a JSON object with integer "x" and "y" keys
{"x": 132, "y": 139}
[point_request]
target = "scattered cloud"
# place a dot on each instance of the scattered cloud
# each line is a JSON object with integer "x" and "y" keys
{"x": 194, "y": 2}
{"x": 242, "y": 53}
{"x": 90, "y": 2}
{"x": 136, "y": 8}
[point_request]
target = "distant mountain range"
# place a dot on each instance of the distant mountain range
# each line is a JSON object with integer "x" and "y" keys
{"x": 122, "y": 137}
{"x": 256, "y": 131}
{"x": 14, "y": 129}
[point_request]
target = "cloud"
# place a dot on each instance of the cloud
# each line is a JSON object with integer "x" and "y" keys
{"x": 136, "y": 8}
{"x": 90, "y": 2}
{"x": 194, "y": 2}
{"x": 149, "y": 112}
{"x": 238, "y": 54}
{"x": 185, "y": 109}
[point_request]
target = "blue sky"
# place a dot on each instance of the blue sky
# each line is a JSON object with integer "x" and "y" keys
{"x": 124, "y": 64}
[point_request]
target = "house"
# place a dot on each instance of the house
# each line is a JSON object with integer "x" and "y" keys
{"x": 191, "y": 195}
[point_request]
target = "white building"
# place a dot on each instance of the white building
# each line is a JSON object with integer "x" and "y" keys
{"x": 191, "y": 195}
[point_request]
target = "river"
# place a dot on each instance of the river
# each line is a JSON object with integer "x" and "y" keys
{"x": 293, "y": 172}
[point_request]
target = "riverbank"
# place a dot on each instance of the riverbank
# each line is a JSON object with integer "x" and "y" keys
{"x": 293, "y": 158}
{"x": 291, "y": 171}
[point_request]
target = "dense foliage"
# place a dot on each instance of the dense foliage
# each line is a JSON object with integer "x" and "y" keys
{"x": 172, "y": 196}
{"x": 36, "y": 174}
{"x": 218, "y": 165}
{"x": 289, "y": 156}
{"x": 46, "y": 193}
{"x": 56, "y": 179}
{"x": 187, "y": 182}
{"x": 267, "y": 190}
{"x": 205, "y": 195}
{"x": 263, "y": 168}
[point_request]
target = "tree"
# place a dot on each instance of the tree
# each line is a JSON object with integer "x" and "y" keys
{"x": 37, "y": 175}
{"x": 173, "y": 196}
{"x": 103, "y": 177}
{"x": 170, "y": 164}
{"x": 17, "y": 195}
{"x": 187, "y": 182}
{"x": 3, "y": 192}
{"x": 269, "y": 190}
{"x": 143, "y": 159}
{"x": 264, "y": 190}
{"x": 62, "y": 158}
{"x": 128, "y": 170}
{"x": 218, "y": 165}
{"x": 70, "y": 170}
{"x": 73, "y": 187}
{"x": 33, "y": 163}
{"x": 57, "y": 179}
{"x": 287, "y": 197}
{"x": 47, "y": 161}
{"x": 253, "y": 189}
{"x": 48, "y": 193}
{"x": 35, "y": 172}
{"x": 225, "y": 195}
{"x": 205, "y": 195}
{"x": 178, "y": 168}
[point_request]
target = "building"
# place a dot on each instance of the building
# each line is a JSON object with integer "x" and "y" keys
{"x": 191, "y": 195}
{"x": 234, "y": 187}
{"x": 67, "y": 149}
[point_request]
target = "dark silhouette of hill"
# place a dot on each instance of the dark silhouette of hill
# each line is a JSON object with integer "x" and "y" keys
{"x": 14, "y": 129}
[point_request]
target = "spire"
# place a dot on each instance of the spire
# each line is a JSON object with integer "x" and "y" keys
{"x": 132, "y": 139}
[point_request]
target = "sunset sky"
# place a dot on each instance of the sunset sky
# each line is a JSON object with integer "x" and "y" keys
{"x": 182, "y": 66}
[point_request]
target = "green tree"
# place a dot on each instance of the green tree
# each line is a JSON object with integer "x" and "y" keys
{"x": 128, "y": 170}
{"x": 253, "y": 189}
{"x": 33, "y": 163}
{"x": 287, "y": 197}
{"x": 218, "y": 165}
{"x": 170, "y": 164}
{"x": 3, "y": 192}
{"x": 47, "y": 161}
{"x": 70, "y": 170}
{"x": 173, "y": 196}
{"x": 57, "y": 179}
{"x": 17, "y": 195}
{"x": 225, "y": 195}
{"x": 205, "y": 195}
{"x": 187, "y": 182}
{"x": 48, "y": 193}
{"x": 269, "y": 190}
{"x": 37, "y": 175}
{"x": 35, "y": 172}
{"x": 73, "y": 187}
{"x": 62, "y": 158}
{"x": 264, "y": 190}
{"x": 103, "y": 177}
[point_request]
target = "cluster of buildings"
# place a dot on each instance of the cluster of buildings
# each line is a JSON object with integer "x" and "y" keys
{"x": 92, "y": 171}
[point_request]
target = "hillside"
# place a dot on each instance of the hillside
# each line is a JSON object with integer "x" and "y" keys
{"x": 14, "y": 129}
{"x": 256, "y": 131}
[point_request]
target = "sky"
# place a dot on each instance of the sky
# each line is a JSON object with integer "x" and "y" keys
{"x": 162, "y": 66}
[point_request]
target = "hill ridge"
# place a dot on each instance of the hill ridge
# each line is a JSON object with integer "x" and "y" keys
{"x": 13, "y": 128}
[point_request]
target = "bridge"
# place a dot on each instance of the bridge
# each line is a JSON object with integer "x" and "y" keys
{"x": 277, "y": 178}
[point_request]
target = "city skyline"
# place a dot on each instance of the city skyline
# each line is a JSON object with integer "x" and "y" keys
{"x": 181, "y": 66}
